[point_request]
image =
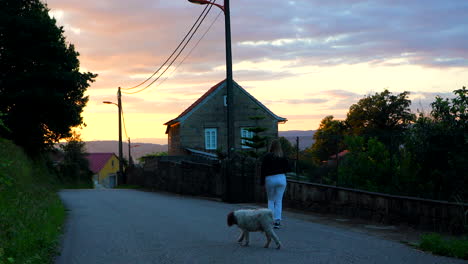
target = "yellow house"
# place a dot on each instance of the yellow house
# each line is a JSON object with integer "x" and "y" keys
{"x": 104, "y": 167}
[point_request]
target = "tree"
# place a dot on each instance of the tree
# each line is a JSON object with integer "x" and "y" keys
{"x": 367, "y": 166}
{"x": 75, "y": 166}
{"x": 289, "y": 150}
{"x": 382, "y": 115}
{"x": 142, "y": 159}
{"x": 41, "y": 87}
{"x": 2, "y": 124}
{"x": 256, "y": 143}
{"x": 328, "y": 139}
{"x": 437, "y": 146}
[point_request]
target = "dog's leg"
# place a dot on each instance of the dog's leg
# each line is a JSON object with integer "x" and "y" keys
{"x": 268, "y": 237}
{"x": 241, "y": 237}
{"x": 273, "y": 235}
{"x": 246, "y": 237}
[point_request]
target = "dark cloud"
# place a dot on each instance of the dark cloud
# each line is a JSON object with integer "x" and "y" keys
{"x": 123, "y": 42}
{"x": 140, "y": 35}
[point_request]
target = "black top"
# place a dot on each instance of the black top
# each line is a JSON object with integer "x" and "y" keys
{"x": 272, "y": 165}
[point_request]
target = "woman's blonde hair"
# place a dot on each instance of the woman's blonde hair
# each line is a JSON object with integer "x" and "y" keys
{"x": 275, "y": 148}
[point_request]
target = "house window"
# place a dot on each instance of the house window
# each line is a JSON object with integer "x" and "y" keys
{"x": 245, "y": 133}
{"x": 210, "y": 138}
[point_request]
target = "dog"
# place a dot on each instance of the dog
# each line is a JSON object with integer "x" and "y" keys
{"x": 254, "y": 220}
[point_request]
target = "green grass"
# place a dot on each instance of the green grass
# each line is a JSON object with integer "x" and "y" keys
{"x": 31, "y": 213}
{"x": 451, "y": 247}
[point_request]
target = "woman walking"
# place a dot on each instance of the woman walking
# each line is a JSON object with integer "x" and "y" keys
{"x": 274, "y": 167}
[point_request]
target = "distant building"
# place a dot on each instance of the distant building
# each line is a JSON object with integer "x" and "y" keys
{"x": 201, "y": 128}
{"x": 104, "y": 167}
{"x": 334, "y": 159}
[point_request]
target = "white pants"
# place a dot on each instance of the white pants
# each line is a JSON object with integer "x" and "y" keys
{"x": 275, "y": 186}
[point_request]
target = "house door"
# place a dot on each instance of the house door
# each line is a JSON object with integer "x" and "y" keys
{"x": 112, "y": 181}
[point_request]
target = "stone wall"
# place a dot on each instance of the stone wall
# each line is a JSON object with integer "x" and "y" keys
{"x": 179, "y": 175}
{"x": 203, "y": 178}
{"x": 422, "y": 214}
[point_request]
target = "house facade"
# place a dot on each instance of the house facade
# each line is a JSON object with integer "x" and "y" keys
{"x": 201, "y": 129}
{"x": 104, "y": 167}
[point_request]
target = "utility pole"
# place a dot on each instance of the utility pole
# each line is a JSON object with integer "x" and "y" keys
{"x": 119, "y": 104}
{"x": 230, "y": 138}
{"x": 229, "y": 82}
{"x": 230, "y": 104}
{"x": 130, "y": 163}
{"x": 297, "y": 154}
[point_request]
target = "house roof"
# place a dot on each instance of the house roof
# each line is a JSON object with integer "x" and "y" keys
{"x": 340, "y": 154}
{"x": 97, "y": 161}
{"x": 211, "y": 91}
{"x": 204, "y": 154}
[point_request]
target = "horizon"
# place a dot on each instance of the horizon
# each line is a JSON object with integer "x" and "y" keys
{"x": 302, "y": 59}
{"x": 156, "y": 140}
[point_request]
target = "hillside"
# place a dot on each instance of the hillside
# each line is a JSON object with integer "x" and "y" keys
{"x": 141, "y": 149}
{"x": 305, "y": 137}
{"x": 138, "y": 149}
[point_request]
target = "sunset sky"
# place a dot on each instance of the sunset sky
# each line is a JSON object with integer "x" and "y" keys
{"x": 302, "y": 59}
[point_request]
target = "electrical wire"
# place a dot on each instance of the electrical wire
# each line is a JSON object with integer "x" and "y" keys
{"x": 172, "y": 54}
{"x": 178, "y": 54}
{"x": 123, "y": 121}
{"x": 191, "y": 50}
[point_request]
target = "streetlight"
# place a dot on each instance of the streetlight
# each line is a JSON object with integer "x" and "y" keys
{"x": 229, "y": 80}
{"x": 119, "y": 105}
{"x": 203, "y": 2}
{"x": 229, "y": 92}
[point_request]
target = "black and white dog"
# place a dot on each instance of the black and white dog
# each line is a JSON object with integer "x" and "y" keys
{"x": 254, "y": 220}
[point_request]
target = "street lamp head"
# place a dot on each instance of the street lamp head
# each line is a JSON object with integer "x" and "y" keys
{"x": 199, "y": 2}
{"x": 205, "y": 2}
{"x": 109, "y": 102}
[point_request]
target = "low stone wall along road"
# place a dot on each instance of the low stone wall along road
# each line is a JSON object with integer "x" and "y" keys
{"x": 128, "y": 226}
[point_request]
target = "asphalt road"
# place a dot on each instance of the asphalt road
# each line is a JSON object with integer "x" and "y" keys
{"x": 128, "y": 226}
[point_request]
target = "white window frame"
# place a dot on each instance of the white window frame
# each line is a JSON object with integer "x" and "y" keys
{"x": 247, "y": 134}
{"x": 211, "y": 138}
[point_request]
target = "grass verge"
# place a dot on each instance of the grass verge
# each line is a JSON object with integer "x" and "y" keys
{"x": 31, "y": 212}
{"x": 451, "y": 247}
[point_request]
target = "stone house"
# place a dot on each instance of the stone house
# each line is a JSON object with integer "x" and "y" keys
{"x": 201, "y": 129}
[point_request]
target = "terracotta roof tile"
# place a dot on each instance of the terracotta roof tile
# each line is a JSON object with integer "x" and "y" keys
{"x": 97, "y": 161}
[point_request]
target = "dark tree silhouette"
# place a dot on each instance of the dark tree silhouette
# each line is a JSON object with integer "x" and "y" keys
{"x": 41, "y": 87}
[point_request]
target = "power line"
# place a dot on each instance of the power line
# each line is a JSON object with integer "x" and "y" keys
{"x": 178, "y": 46}
{"x": 191, "y": 50}
{"x": 123, "y": 121}
{"x": 178, "y": 54}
